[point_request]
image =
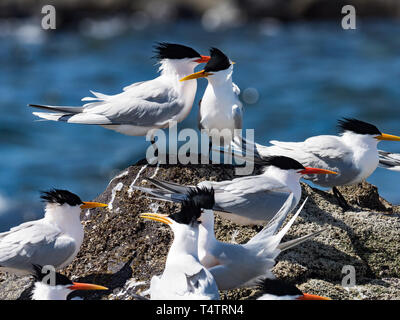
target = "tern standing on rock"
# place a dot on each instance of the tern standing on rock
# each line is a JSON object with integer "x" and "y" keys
{"x": 142, "y": 106}
{"x": 274, "y": 289}
{"x": 60, "y": 289}
{"x": 220, "y": 108}
{"x": 246, "y": 200}
{"x": 53, "y": 240}
{"x": 184, "y": 278}
{"x": 353, "y": 154}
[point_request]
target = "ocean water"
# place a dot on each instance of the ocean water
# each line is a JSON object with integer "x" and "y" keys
{"x": 300, "y": 79}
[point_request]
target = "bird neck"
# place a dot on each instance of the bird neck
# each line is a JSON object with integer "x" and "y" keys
{"x": 288, "y": 177}
{"x": 364, "y": 152}
{"x": 185, "y": 243}
{"x": 176, "y": 68}
{"x": 64, "y": 216}
{"x": 221, "y": 81}
{"x": 42, "y": 291}
{"x": 206, "y": 229}
{"x": 360, "y": 142}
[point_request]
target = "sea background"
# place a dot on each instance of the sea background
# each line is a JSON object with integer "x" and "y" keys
{"x": 297, "y": 79}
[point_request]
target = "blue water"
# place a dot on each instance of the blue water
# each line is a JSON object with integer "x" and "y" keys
{"x": 307, "y": 75}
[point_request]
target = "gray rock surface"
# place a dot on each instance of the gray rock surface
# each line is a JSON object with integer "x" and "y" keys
{"x": 123, "y": 252}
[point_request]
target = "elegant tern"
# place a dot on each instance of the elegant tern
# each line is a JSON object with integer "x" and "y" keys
{"x": 53, "y": 240}
{"x": 60, "y": 289}
{"x": 275, "y": 289}
{"x": 250, "y": 199}
{"x": 142, "y": 106}
{"x": 220, "y": 110}
{"x": 184, "y": 278}
{"x": 353, "y": 154}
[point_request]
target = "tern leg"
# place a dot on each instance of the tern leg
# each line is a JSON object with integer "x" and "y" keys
{"x": 342, "y": 201}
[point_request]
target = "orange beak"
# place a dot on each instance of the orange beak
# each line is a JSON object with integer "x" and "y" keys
{"x": 203, "y": 59}
{"x": 86, "y": 286}
{"x": 90, "y": 205}
{"x": 156, "y": 217}
{"x": 309, "y": 170}
{"x": 388, "y": 137}
{"x": 307, "y": 296}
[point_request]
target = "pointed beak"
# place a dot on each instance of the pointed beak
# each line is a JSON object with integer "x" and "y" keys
{"x": 307, "y": 296}
{"x": 156, "y": 217}
{"x": 203, "y": 59}
{"x": 86, "y": 286}
{"x": 387, "y": 137}
{"x": 89, "y": 205}
{"x": 196, "y": 75}
{"x": 309, "y": 170}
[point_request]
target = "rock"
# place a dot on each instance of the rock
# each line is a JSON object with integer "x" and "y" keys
{"x": 123, "y": 252}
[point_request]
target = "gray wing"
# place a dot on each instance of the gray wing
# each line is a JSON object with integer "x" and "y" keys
{"x": 389, "y": 160}
{"x": 148, "y": 103}
{"x": 202, "y": 284}
{"x": 256, "y": 198}
{"x": 325, "y": 152}
{"x": 34, "y": 243}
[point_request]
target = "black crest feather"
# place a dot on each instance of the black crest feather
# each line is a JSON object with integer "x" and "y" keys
{"x": 219, "y": 61}
{"x": 282, "y": 162}
{"x": 198, "y": 199}
{"x": 164, "y": 50}
{"x": 357, "y": 126}
{"x": 39, "y": 276}
{"x": 61, "y": 197}
{"x": 278, "y": 288}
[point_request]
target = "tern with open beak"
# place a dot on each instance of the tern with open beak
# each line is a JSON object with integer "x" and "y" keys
{"x": 220, "y": 110}
{"x": 43, "y": 289}
{"x": 250, "y": 199}
{"x": 353, "y": 154}
{"x": 184, "y": 278}
{"x": 142, "y": 106}
{"x": 53, "y": 240}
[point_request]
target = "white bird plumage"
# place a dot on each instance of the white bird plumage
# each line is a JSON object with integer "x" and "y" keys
{"x": 220, "y": 110}
{"x": 53, "y": 240}
{"x": 237, "y": 265}
{"x": 142, "y": 106}
{"x": 183, "y": 278}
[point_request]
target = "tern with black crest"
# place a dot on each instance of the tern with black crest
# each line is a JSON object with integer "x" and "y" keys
{"x": 53, "y": 240}
{"x": 44, "y": 289}
{"x": 184, "y": 278}
{"x": 275, "y": 289}
{"x": 142, "y": 106}
{"x": 250, "y": 199}
{"x": 220, "y": 110}
{"x": 353, "y": 154}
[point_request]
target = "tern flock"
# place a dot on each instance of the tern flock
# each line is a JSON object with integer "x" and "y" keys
{"x": 198, "y": 266}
